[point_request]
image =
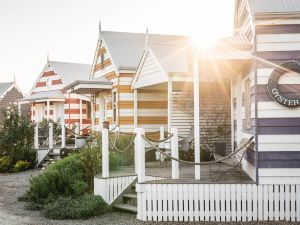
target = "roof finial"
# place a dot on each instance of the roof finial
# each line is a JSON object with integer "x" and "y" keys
{"x": 48, "y": 57}
{"x": 99, "y": 29}
{"x": 146, "y": 38}
{"x": 14, "y": 78}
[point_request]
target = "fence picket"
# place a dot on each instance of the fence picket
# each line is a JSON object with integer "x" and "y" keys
{"x": 154, "y": 202}
{"x": 271, "y": 202}
{"x": 287, "y": 203}
{"x": 276, "y": 202}
{"x": 281, "y": 202}
{"x": 185, "y": 203}
{"x": 170, "y": 210}
{"x": 149, "y": 202}
{"x": 260, "y": 202}
{"x": 265, "y": 202}
{"x": 254, "y": 202}
{"x": 298, "y": 202}
{"x": 227, "y": 196}
{"x": 293, "y": 203}
{"x": 222, "y": 194}
{"x": 212, "y": 202}
{"x": 180, "y": 202}
{"x": 206, "y": 202}
{"x": 175, "y": 203}
{"x": 217, "y": 202}
{"x": 191, "y": 202}
{"x": 244, "y": 202}
{"x": 201, "y": 202}
{"x": 249, "y": 202}
{"x": 165, "y": 202}
{"x": 159, "y": 202}
{"x": 233, "y": 202}
{"x": 238, "y": 202}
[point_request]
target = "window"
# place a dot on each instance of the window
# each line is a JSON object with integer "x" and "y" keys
{"x": 247, "y": 104}
{"x": 114, "y": 106}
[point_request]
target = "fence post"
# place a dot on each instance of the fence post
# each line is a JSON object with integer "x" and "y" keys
{"x": 174, "y": 153}
{"x": 139, "y": 149}
{"x": 50, "y": 135}
{"x": 36, "y": 137}
{"x": 105, "y": 153}
{"x": 63, "y": 135}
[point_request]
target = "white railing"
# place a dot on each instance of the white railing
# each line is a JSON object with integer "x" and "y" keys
{"x": 218, "y": 202}
{"x": 110, "y": 188}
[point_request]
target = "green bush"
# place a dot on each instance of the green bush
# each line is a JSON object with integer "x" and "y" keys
{"x": 21, "y": 166}
{"x": 90, "y": 158}
{"x": 122, "y": 142}
{"x": 63, "y": 178}
{"x": 4, "y": 164}
{"x": 75, "y": 208}
{"x": 64, "y": 152}
{"x": 114, "y": 160}
{"x": 22, "y": 154}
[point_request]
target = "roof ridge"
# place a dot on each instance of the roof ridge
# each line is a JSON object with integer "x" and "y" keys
{"x": 69, "y": 63}
{"x": 150, "y": 34}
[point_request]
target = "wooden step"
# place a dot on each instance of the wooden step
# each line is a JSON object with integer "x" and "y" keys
{"x": 126, "y": 207}
{"x": 133, "y": 196}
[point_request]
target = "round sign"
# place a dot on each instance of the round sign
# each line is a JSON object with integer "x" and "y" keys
{"x": 273, "y": 88}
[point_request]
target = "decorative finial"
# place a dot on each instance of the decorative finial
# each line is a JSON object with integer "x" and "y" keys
{"x": 14, "y": 78}
{"x": 47, "y": 57}
{"x": 99, "y": 29}
{"x": 146, "y": 38}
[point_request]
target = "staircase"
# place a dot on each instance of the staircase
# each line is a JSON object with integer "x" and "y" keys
{"x": 50, "y": 158}
{"x": 127, "y": 201}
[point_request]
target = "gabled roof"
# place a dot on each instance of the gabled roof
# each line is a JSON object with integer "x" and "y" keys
{"x": 69, "y": 72}
{"x": 126, "y": 49}
{"x": 173, "y": 58}
{"x": 4, "y": 86}
{"x": 54, "y": 94}
{"x": 273, "y": 6}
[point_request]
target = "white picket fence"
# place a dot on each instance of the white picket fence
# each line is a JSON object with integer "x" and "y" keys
{"x": 110, "y": 188}
{"x": 217, "y": 202}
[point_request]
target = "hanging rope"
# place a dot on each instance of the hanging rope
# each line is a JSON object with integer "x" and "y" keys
{"x": 114, "y": 147}
{"x": 200, "y": 163}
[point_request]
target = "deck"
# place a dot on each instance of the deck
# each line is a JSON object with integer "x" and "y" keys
{"x": 220, "y": 173}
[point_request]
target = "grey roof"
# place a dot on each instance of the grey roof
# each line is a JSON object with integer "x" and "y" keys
{"x": 69, "y": 72}
{"x": 4, "y": 86}
{"x": 174, "y": 58}
{"x": 126, "y": 49}
{"x": 274, "y": 6}
{"x": 55, "y": 94}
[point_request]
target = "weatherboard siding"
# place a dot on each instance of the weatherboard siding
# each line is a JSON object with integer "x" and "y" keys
{"x": 278, "y": 126}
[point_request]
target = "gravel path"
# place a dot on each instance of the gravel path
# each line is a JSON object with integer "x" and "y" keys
{"x": 12, "y": 212}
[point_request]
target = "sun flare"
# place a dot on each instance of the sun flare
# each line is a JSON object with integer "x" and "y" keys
{"x": 202, "y": 41}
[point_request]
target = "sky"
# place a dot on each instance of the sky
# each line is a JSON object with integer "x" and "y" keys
{"x": 68, "y": 29}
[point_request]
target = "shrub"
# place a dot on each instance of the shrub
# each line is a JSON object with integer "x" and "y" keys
{"x": 122, "y": 142}
{"x": 20, "y": 153}
{"x": 90, "y": 158}
{"x": 21, "y": 166}
{"x": 64, "y": 152}
{"x": 63, "y": 178}
{"x": 114, "y": 160}
{"x": 4, "y": 164}
{"x": 75, "y": 208}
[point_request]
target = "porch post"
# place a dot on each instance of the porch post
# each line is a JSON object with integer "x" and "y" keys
{"x": 196, "y": 113}
{"x": 174, "y": 153}
{"x": 170, "y": 90}
{"x": 135, "y": 107}
{"x": 36, "y": 136}
{"x": 50, "y": 135}
{"x": 48, "y": 109}
{"x": 19, "y": 109}
{"x": 105, "y": 153}
{"x": 77, "y": 130}
{"x": 93, "y": 115}
{"x": 63, "y": 134}
{"x": 232, "y": 115}
{"x": 80, "y": 115}
{"x": 139, "y": 148}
